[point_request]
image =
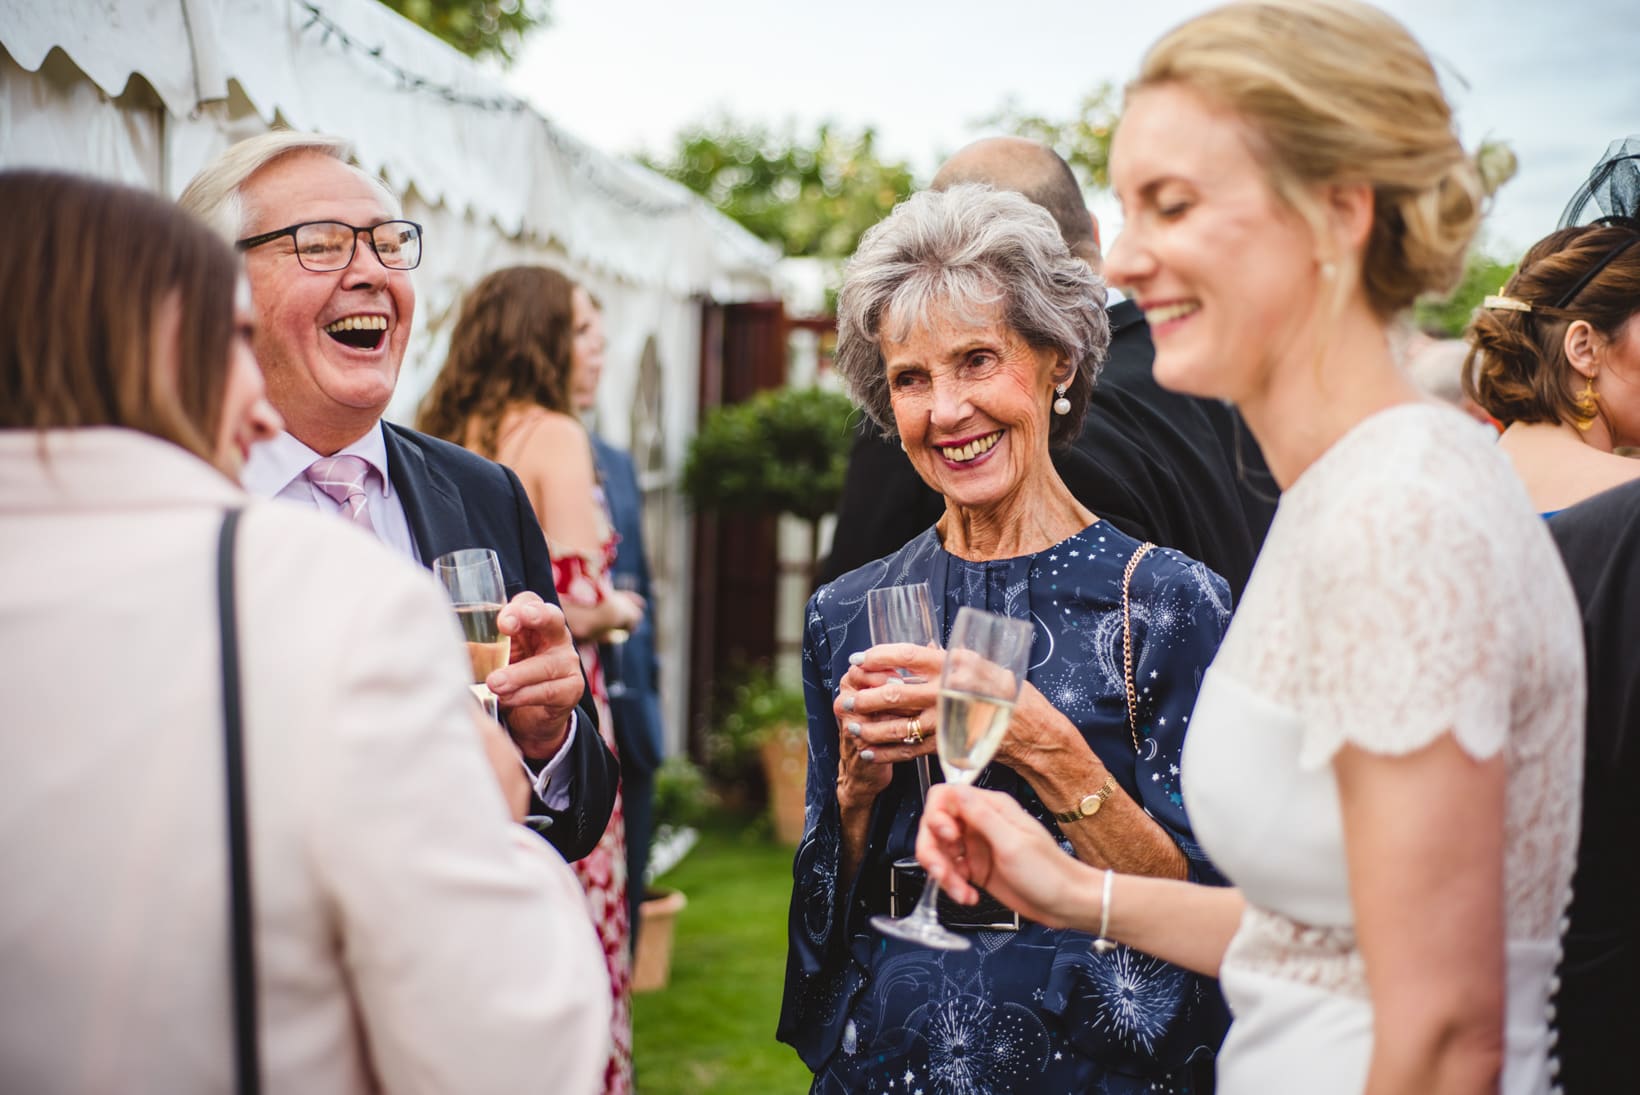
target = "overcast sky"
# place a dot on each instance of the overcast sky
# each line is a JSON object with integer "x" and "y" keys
{"x": 1558, "y": 80}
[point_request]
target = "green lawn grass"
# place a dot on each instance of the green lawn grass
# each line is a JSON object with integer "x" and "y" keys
{"x": 711, "y": 1030}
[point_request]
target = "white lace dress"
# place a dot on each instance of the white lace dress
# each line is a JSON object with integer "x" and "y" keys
{"x": 1406, "y": 590}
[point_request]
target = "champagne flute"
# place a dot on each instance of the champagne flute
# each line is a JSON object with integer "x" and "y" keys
{"x": 985, "y": 666}
{"x": 903, "y": 614}
{"x": 615, "y": 640}
{"x": 472, "y": 579}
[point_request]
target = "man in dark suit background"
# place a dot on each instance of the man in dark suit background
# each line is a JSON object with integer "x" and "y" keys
{"x": 1177, "y": 470}
{"x": 1600, "y": 541}
{"x": 327, "y": 256}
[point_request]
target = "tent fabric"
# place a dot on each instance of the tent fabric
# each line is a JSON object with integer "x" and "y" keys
{"x": 421, "y": 114}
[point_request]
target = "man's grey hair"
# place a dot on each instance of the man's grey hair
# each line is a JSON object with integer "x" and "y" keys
{"x": 214, "y": 195}
{"x": 969, "y": 249}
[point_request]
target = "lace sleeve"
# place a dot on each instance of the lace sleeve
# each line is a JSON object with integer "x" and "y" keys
{"x": 1403, "y": 637}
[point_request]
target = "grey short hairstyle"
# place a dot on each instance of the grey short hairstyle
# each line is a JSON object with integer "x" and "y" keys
{"x": 968, "y": 248}
{"x": 214, "y": 195}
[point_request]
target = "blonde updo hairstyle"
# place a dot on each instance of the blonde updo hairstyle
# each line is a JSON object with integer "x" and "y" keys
{"x": 1517, "y": 369}
{"x": 1337, "y": 92}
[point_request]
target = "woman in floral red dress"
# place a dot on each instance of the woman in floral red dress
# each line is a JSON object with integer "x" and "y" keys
{"x": 523, "y": 335}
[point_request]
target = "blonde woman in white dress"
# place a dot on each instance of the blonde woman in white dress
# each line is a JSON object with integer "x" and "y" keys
{"x": 1386, "y": 754}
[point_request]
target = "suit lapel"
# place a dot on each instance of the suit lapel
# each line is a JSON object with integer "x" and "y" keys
{"x": 431, "y": 504}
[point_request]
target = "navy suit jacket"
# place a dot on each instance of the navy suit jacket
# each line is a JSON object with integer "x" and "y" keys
{"x": 454, "y": 499}
{"x": 637, "y": 711}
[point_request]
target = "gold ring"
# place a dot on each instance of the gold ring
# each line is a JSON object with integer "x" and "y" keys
{"x": 913, "y": 732}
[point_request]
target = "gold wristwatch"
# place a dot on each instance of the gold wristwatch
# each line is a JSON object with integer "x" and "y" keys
{"x": 1091, "y": 804}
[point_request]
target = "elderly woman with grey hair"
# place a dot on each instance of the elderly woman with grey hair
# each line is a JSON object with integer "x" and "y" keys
{"x": 967, "y": 329}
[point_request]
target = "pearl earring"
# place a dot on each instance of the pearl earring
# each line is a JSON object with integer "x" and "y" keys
{"x": 1061, "y": 405}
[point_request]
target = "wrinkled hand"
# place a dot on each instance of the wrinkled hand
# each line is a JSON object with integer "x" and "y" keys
{"x": 543, "y": 684}
{"x": 972, "y": 837}
{"x": 874, "y": 710}
{"x": 504, "y": 760}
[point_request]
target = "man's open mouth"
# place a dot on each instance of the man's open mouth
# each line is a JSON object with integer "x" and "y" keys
{"x": 359, "y": 332}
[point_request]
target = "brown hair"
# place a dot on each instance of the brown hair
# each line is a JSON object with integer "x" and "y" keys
{"x": 511, "y": 344}
{"x": 1517, "y": 368}
{"x": 87, "y": 270}
{"x": 1335, "y": 91}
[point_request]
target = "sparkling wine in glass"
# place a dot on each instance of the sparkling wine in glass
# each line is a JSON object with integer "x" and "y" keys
{"x": 985, "y": 664}
{"x": 472, "y": 579}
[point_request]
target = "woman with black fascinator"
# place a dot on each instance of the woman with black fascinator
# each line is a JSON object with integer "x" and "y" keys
{"x": 1600, "y": 542}
{"x": 1555, "y": 356}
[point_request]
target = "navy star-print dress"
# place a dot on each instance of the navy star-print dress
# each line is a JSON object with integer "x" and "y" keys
{"x": 1034, "y": 1010}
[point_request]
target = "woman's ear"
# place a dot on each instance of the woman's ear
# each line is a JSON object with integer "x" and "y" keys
{"x": 1350, "y": 213}
{"x": 1581, "y": 345}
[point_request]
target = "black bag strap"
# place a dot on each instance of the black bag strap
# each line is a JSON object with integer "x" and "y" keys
{"x": 247, "y": 1066}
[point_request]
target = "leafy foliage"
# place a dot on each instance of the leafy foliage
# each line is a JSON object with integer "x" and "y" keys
{"x": 813, "y": 197}
{"x": 477, "y": 27}
{"x": 1083, "y": 140}
{"x": 681, "y": 797}
{"x": 782, "y": 451}
{"x": 1448, "y": 316}
{"x": 757, "y": 706}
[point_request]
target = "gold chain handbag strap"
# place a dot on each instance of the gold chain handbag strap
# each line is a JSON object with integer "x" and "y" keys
{"x": 1127, "y": 643}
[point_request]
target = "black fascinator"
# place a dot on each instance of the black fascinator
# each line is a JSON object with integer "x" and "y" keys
{"x": 1613, "y": 187}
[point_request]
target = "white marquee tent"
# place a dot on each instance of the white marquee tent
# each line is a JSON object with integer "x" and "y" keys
{"x": 147, "y": 91}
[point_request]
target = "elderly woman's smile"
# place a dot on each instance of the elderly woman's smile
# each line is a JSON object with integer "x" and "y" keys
{"x": 971, "y": 403}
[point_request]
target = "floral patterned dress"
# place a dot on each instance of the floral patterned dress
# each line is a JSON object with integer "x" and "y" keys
{"x": 1034, "y": 1010}
{"x": 581, "y": 580}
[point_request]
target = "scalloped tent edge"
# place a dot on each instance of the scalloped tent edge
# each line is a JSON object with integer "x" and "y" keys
{"x": 352, "y": 67}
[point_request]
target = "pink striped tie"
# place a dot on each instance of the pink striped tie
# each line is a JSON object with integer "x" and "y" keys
{"x": 342, "y": 478}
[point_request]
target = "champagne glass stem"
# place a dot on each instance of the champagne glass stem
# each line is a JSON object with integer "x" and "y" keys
{"x": 927, "y": 910}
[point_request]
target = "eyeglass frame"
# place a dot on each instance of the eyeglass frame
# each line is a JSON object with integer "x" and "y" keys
{"x": 290, "y": 230}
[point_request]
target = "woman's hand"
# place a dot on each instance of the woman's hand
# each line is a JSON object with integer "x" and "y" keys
{"x": 628, "y": 608}
{"x": 1041, "y": 740}
{"x": 883, "y": 718}
{"x": 972, "y": 837}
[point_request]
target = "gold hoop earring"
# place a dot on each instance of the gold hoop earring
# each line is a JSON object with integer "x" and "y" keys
{"x": 1587, "y": 403}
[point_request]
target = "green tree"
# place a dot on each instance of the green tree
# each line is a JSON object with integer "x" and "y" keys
{"x": 1483, "y": 273}
{"x": 477, "y": 28}
{"x": 782, "y": 451}
{"x": 812, "y": 196}
{"x": 1083, "y": 140}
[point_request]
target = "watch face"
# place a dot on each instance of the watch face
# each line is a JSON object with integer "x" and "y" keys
{"x": 1091, "y": 804}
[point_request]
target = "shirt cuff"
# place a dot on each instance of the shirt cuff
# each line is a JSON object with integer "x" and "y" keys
{"x": 551, "y": 783}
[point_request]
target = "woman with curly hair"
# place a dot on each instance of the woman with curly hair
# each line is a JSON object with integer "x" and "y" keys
{"x": 524, "y": 335}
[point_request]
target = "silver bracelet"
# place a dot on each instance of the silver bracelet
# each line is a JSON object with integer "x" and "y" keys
{"x": 1104, "y": 944}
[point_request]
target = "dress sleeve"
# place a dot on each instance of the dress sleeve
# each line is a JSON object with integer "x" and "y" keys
{"x": 1403, "y": 638}
{"x": 817, "y": 955}
{"x": 1180, "y": 609}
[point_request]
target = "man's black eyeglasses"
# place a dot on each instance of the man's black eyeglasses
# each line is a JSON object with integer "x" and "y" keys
{"x": 324, "y": 246}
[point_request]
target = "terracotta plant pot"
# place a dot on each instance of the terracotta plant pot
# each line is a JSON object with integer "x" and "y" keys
{"x": 652, "y": 964}
{"x": 785, "y": 756}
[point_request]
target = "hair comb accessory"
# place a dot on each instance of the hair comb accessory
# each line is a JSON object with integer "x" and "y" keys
{"x": 1507, "y": 304}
